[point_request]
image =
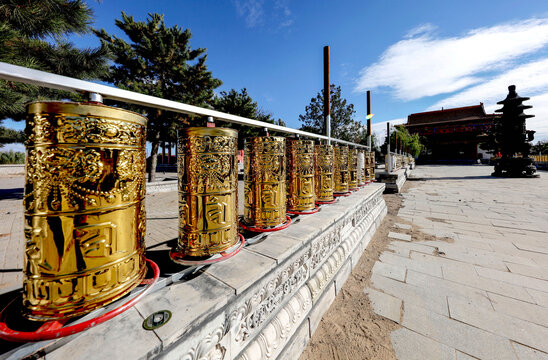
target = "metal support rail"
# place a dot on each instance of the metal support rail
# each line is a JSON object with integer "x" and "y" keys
{"x": 41, "y": 78}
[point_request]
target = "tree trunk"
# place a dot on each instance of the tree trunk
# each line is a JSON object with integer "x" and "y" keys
{"x": 154, "y": 157}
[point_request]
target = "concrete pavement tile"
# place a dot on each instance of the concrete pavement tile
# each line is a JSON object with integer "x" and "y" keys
{"x": 522, "y": 310}
{"x": 276, "y": 246}
{"x": 512, "y": 278}
{"x": 455, "y": 334}
{"x": 540, "y": 297}
{"x": 399, "y": 236}
{"x": 390, "y": 271}
{"x": 539, "y": 272}
{"x": 526, "y": 353}
{"x": 533, "y": 248}
{"x": 468, "y": 276}
{"x": 506, "y": 326}
{"x": 411, "y": 294}
{"x": 411, "y": 246}
{"x": 402, "y": 226}
{"x": 427, "y": 268}
{"x": 398, "y": 250}
{"x": 463, "y": 356}
{"x": 384, "y": 304}
{"x": 443, "y": 287}
{"x": 197, "y": 303}
{"x": 113, "y": 339}
{"x": 409, "y": 345}
{"x": 241, "y": 271}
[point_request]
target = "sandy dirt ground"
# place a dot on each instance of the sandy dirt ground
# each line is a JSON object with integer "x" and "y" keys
{"x": 350, "y": 329}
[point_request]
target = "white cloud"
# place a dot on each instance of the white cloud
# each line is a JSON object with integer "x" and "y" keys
{"x": 251, "y": 10}
{"x": 530, "y": 80}
{"x": 285, "y": 13}
{"x": 420, "y": 30}
{"x": 423, "y": 65}
{"x": 259, "y": 12}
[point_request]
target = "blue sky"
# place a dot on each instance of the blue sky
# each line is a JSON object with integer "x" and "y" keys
{"x": 413, "y": 55}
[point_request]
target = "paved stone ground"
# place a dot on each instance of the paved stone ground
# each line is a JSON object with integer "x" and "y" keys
{"x": 470, "y": 279}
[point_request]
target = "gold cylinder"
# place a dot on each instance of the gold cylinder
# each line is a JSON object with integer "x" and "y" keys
{"x": 372, "y": 166}
{"x": 367, "y": 166}
{"x": 323, "y": 172}
{"x": 341, "y": 169}
{"x": 84, "y": 207}
{"x": 264, "y": 181}
{"x": 300, "y": 175}
{"x": 353, "y": 169}
{"x": 208, "y": 190}
{"x": 362, "y": 176}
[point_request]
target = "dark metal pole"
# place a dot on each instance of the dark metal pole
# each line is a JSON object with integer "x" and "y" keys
{"x": 326, "y": 93}
{"x": 369, "y": 119}
{"x": 388, "y": 137}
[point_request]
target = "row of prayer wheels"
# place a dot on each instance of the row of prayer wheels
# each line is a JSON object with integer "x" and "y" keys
{"x": 84, "y": 197}
{"x": 291, "y": 175}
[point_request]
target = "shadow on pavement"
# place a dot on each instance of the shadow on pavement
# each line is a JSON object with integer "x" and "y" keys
{"x": 15, "y": 193}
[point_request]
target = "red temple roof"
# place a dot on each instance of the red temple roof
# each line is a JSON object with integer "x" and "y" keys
{"x": 466, "y": 113}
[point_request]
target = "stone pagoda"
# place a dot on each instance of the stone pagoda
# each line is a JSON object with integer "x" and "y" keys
{"x": 513, "y": 138}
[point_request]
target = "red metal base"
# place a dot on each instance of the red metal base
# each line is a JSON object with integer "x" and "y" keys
{"x": 54, "y": 329}
{"x": 343, "y": 194}
{"x": 326, "y": 202}
{"x": 186, "y": 260}
{"x": 282, "y": 226}
{"x": 354, "y": 189}
{"x": 293, "y": 212}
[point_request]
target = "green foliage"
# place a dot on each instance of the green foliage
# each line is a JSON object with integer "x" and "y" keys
{"x": 241, "y": 104}
{"x": 403, "y": 140}
{"x": 9, "y": 136}
{"x": 12, "y": 157}
{"x": 343, "y": 126}
{"x": 158, "y": 61}
{"x": 33, "y": 34}
{"x": 540, "y": 147}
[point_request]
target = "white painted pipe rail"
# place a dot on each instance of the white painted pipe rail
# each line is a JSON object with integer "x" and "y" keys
{"x": 41, "y": 78}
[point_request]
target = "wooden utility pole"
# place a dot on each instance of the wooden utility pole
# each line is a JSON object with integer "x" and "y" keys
{"x": 326, "y": 94}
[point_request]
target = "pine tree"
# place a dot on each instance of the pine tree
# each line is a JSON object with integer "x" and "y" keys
{"x": 159, "y": 62}
{"x": 241, "y": 104}
{"x": 33, "y": 34}
{"x": 343, "y": 126}
{"x": 10, "y": 136}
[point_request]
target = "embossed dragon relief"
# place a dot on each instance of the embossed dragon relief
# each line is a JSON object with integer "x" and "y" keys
{"x": 62, "y": 179}
{"x": 60, "y": 128}
{"x": 255, "y": 311}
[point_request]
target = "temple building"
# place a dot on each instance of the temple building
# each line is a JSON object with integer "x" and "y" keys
{"x": 451, "y": 135}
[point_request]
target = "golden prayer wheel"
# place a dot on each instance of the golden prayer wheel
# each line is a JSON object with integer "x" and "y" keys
{"x": 353, "y": 169}
{"x": 341, "y": 169}
{"x": 208, "y": 191}
{"x": 372, "y": 166}
{"x": 84, "y": 207}
{"x": 323, "y": 170}
{"x": 300, "y": 175}
{"x": 264, "y": 181}
{"x": 362, "y": 176}
{"x": 367, "y": 166}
